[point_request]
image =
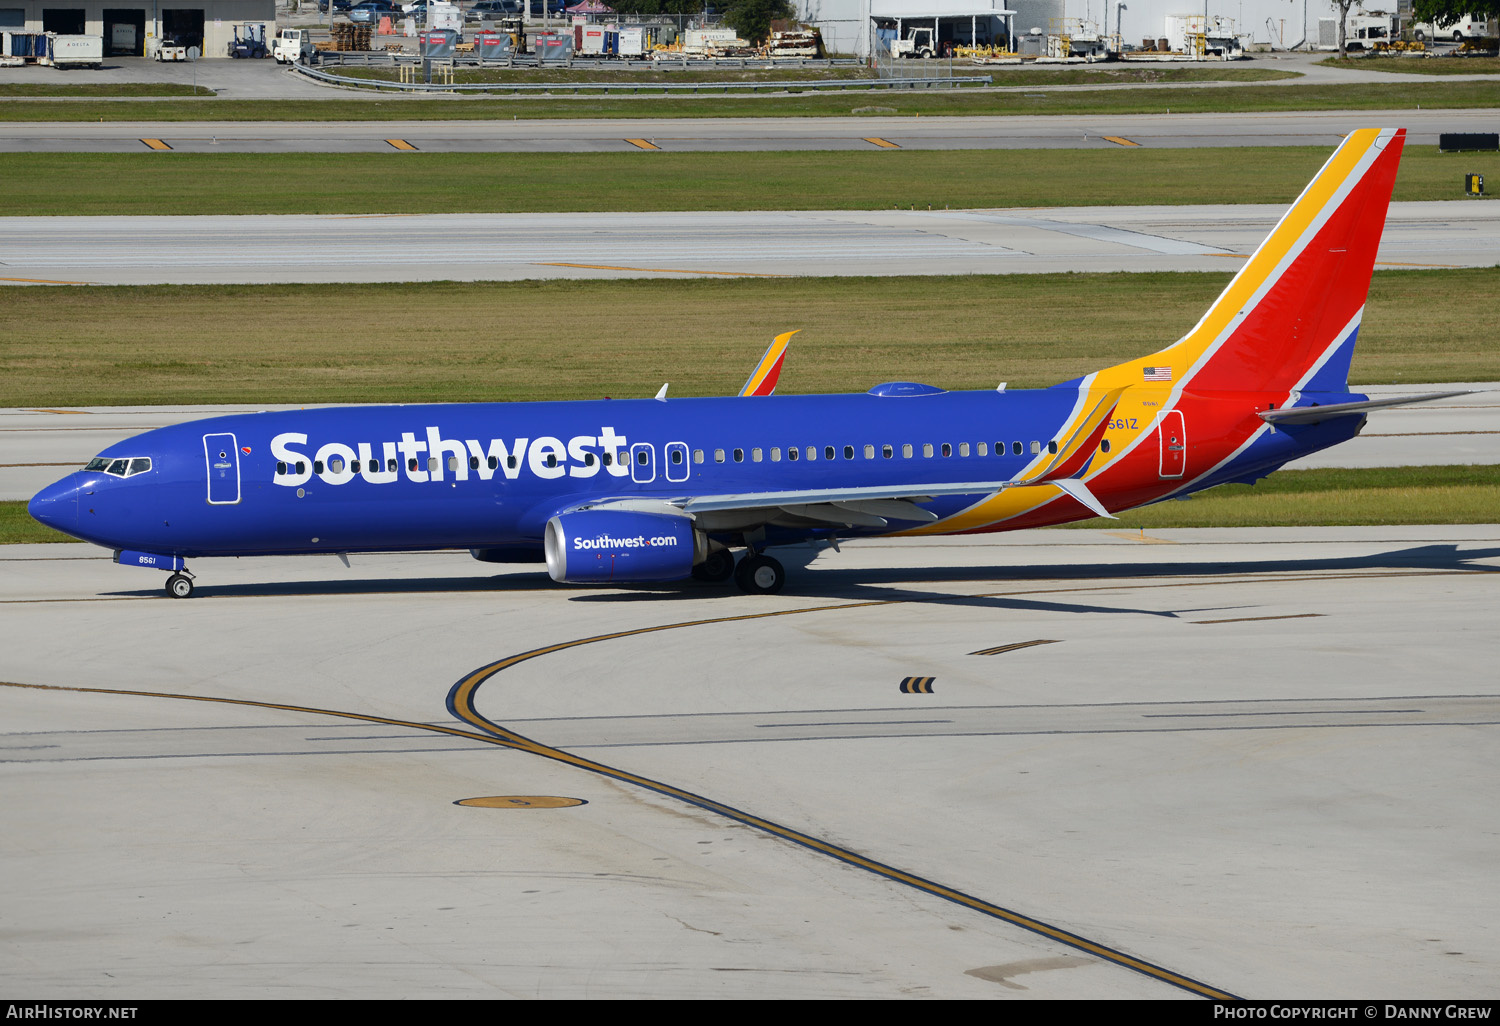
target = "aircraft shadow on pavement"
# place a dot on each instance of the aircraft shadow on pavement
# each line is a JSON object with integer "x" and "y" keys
{"x": 866, "y": 583}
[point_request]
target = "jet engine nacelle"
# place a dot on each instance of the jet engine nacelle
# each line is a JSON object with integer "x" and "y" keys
{"x": 593, "y": 545}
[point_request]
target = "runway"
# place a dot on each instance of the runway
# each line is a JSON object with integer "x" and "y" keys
{"x": 507, "y": 247}
{"x": 867, "y": 132}
{"x": 1229, "y": 741}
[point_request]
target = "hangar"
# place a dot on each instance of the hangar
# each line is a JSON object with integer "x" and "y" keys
{"x": 132, "y": 29}
{"x": 858, "y": 26}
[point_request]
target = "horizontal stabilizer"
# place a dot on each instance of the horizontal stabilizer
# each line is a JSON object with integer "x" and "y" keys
{"x": 1317, "y": 414}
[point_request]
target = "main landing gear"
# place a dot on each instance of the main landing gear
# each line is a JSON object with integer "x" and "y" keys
{"x": 755, "y": 574}
{"x": 759, "y": 575}
{"x": 180, "y": 585}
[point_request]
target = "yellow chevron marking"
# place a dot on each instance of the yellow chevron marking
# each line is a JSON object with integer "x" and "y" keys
{"x": 1119, "y": 140}
{"x": 644, "y": 144}
{"x": 401, "y": 144}
{"x": 883, "y": 144}
{"x": 156, "y": 144}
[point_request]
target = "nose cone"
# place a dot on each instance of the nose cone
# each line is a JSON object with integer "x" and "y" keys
{"x": 57, "y": 505}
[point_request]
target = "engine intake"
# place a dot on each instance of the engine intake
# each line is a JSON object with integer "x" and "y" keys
{"x": 594, "y": 545}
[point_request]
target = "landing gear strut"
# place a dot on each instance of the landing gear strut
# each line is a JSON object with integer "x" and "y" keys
{"x": 759, "y": 575}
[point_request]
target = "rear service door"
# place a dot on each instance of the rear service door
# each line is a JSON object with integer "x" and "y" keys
{"x": 223, "y": 458}
{"x": 1172, "y": 435}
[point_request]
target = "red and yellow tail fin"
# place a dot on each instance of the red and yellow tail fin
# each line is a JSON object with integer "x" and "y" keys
{"x": 1291, "y": 315}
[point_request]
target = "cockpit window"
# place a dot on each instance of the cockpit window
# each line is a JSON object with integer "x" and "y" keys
{"x": 126, "y": 466}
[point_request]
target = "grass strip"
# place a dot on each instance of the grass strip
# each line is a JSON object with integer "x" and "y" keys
{"x": 1289, "y": 498}
{"x": 17, "y": 527}
{"x": 575, "y": 339}
{"x": 1419, "y": 65}
{"x": 1206, "y": 98}
{"x": 46, "y": 184}
{"x": 1332, "y": 497}
{"x": 30, "y": 89}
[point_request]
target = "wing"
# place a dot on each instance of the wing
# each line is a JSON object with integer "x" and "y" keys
{"x": 877, "y": 505}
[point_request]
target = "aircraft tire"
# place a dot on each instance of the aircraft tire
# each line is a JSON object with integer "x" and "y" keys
{"x": 717, "y": 568}
{"x": 759, "y": 575}
{"x": 179, "y": 586}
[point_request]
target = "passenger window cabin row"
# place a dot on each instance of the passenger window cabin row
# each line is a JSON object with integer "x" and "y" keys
{"x": 757, "y": 454}
{"x": 908, "y": 451}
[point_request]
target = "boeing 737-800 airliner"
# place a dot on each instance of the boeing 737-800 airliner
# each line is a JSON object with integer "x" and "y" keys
{"x": 663, "y": 489}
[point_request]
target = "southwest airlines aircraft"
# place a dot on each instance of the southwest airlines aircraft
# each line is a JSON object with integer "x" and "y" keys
{"x": 663, "y": 489}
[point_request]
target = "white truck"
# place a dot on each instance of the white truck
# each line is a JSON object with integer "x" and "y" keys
{"x": 1362, "y": 30}
{"x": 1467, "y": 27}
{"x": 292, "y": 45}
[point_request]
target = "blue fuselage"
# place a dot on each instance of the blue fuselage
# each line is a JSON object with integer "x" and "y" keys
{"x": 491, "y": 475}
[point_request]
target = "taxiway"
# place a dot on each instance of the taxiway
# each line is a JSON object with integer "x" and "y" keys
{"x": 500, "y": 247}
{"x": 1198, "y": 762}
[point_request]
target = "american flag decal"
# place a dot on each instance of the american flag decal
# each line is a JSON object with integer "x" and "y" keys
{"x": 1158, "y": 373}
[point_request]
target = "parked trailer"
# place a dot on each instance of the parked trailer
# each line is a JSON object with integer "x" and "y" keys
{"x": 1361, "y": 31}
{"x": 76, "y": 52}
{"x": 58, "y": 51}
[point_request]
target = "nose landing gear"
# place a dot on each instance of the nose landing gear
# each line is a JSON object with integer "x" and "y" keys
{"x": 180, "y": 585}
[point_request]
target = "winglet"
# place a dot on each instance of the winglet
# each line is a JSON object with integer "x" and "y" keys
{"x": 661, "y": 395}
{"x": 762, "y": 380}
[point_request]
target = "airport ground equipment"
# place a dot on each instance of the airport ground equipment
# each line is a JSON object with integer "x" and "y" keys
{"x": 249, "y": 42}
{"x": 292, "y": 45}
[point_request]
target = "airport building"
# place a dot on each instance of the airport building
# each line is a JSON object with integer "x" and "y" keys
{"x": 134, "y": 29}
{"x": 853, "y": 26}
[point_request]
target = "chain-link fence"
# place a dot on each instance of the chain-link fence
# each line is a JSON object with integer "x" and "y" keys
{"x": 888, "y": 66}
